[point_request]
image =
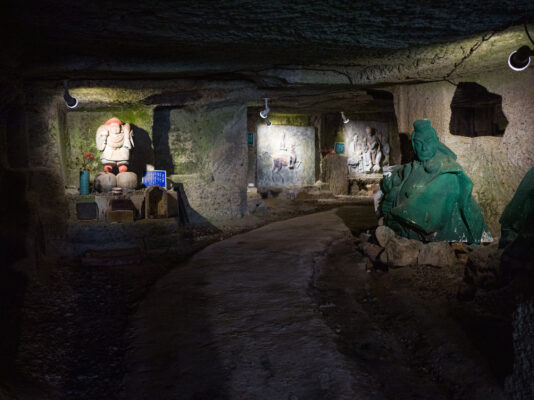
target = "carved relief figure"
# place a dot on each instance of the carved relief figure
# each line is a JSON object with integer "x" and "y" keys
{"x": 366, "y": 152}
{"x": 284, "y": 158}
{"x": 115, "y": 139}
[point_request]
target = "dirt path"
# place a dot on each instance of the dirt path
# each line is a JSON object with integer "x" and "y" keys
{"x": 290, "y": 311}
{"x": 238, "y": 322}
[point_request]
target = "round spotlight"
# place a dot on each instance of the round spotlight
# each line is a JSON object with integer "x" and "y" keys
{"x": 70, "y": 101}
{"x": 345, "y": 119}
{"x": 265, "y": 112}
{"x": 519, "y": 60}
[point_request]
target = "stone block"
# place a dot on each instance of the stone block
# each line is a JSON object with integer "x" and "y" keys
{"x": 483, "y": 267}
{"x": 336, "y": 174}
{"x": 156, "y": 202}
{"x": 438, "y": 254}
{"x": 173, "y": 204}
{"x": 104, "y": 182}
{"x": 401, "y": 252}
{"x": 384, "y": 235}
{"x": 371, "y": 250}
{"x": 86, "y": 210}
{"x": 120, "y": 216}
{"x": 127, "y": 180}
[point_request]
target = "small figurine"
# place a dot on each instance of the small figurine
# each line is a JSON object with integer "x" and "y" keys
{"x": 115, "y": 139}
{"x": 430, "y": 198}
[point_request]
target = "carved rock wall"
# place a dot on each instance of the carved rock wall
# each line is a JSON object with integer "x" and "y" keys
{"x": 496, "y": 165}
{"x": 209, "y": 155}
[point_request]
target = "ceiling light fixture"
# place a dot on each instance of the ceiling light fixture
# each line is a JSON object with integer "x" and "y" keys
{"x": 345, "y": 119}
{"x": 69, "y": 100}
{"x": 265, "y": 112}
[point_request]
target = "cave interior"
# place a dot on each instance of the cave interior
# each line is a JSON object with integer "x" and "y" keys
{"x": 234, "y": 251}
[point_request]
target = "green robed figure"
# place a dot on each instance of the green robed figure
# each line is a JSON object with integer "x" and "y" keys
{"x": 430, "y": 198}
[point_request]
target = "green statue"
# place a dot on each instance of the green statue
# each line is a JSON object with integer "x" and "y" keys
{"x": 430, "y": 198}
{"x": 517, "y": 224}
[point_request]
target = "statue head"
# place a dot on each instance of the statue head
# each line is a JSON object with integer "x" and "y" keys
{"x": 370, "y": 131}
{"x": 425, "y": 141}
{"x": 113, "y": 125}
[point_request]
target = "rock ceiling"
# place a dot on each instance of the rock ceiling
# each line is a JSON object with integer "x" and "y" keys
{"x": 273, "y": 45}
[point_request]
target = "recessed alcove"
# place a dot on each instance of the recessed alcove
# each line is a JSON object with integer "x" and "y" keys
{"x": 476, "y": 112}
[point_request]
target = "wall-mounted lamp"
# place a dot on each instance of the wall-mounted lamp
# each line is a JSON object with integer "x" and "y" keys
{"x": 267, "y": 122}
{"x": 519, "y": 60}
{"x": 265, "y": 112}
{"x": 69, "y": 100}
{"x": 345, "y": 119}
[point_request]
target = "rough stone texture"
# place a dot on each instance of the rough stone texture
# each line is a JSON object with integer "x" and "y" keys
{"x": 383, "y": 235}
{"x": 228, "y": 336}
{"x": 438, "y": 254}
{"x": 104, "y": 182}
{"x": 196, "y": 36}
{"x": 336, "y": 174}
{"x": 520, "y": 385}
{"x": 127, "y": 180}
{"x": 371, "y": 250}
{"x": 483, "y": 268}
{"x": 401, "y": 252}
{"x": 496, "y": 165}
{"x": 208, "y": 154}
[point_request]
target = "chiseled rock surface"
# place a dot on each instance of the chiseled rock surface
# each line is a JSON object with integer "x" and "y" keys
{"x": 383, "y": 235}
{"x": 519, "y": 384}
{"x": 483, "y": 268}
{"x": 238, "y": 322}
{"x": 401, "y": 252}
{"x": 438, "y": 254}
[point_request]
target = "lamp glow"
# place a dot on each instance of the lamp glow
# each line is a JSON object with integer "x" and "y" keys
{"x": 345, "y": 119}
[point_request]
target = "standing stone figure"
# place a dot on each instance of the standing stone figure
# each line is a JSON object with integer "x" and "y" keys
{"x": 430, "y": 198}
{"x": 372, "y": 151}
{"x": 115, "y": 140}
{"x": 355, "y": 160}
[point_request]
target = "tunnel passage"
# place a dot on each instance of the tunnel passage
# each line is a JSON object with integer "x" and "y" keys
{"x": 476, "y": 112}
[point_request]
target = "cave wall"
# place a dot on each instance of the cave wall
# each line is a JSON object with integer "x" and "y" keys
{"x": 495, "y": 164}
{"x": 208, "y": 149}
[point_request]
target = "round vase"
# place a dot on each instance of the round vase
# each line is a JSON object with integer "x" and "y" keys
{"x": 84, "y": 182}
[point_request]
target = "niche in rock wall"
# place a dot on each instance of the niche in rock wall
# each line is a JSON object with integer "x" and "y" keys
{"x": 476, "y": 112}
{"x": 80, "y": 134}
{"x": 286, "y": 156}
{"x": 367, "y": 146}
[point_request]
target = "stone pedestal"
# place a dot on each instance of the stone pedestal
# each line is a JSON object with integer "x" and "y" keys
{"x": 127, "y": 180}
{"x": 104, "y": 182}
{"x": 336, "y": 174}
{"x": 156, "y": 203}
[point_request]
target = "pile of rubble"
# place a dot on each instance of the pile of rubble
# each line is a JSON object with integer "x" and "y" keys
{"x": 385, "y": 248}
